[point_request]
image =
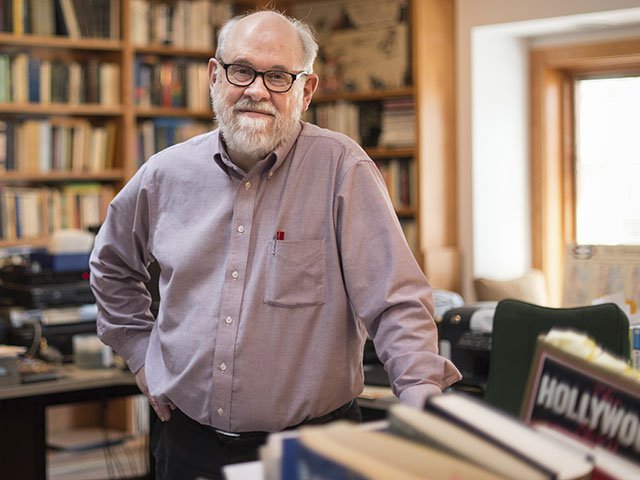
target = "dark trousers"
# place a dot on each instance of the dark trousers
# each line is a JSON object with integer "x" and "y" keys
{"x": 184, "y": 449}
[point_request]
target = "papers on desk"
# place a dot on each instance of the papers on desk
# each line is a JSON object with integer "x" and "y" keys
{"x": 243, "y": 471}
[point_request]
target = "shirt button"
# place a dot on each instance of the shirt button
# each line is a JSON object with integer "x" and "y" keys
{"x": 241, "y": 229}
{"x": 235, "y": 274}
{"x": 223, "y": 366}
{"x": 220, "y": 412}
{"x": 228, "y": 320}
{"x": 247, "y": 185}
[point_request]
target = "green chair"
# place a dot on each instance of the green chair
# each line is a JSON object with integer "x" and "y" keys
{"x": 516, "y": 326}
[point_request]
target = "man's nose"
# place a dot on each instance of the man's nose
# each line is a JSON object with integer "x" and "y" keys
{"x": 257, "y": 90}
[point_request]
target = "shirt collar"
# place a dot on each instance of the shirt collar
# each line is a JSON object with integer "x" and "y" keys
{"x": 270, "y": 163}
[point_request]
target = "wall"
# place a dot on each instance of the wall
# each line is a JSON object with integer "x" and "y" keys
{"x": 492, "y": 38}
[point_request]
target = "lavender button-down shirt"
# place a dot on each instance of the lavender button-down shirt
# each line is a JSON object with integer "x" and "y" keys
{"x": 270, "y": 281}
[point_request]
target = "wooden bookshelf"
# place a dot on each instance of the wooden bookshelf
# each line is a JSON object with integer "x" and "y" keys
{"x": 116, "y": 43}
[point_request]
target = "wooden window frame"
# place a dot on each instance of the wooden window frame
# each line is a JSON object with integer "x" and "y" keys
{"x": 553, "y": 71}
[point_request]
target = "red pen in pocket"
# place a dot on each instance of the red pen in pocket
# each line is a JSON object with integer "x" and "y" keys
{"x": 279, "y": 237}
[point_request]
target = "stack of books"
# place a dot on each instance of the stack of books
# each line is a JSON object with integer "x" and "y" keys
{"x": 455, "y": 436}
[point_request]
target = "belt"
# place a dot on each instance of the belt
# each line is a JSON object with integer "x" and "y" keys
{"x": 261, "y": 436}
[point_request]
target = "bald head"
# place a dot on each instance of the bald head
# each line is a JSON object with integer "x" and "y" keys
{"x": 271, "y": 32}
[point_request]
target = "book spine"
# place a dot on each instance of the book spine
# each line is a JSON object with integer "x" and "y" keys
{"x": 635, "y": 346}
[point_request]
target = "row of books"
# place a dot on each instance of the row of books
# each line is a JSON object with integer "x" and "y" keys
{"x": 30, "y": 213}
{"x": 398, "y": 123}
{"x": 387, "y": 123}
{"x": 73, "y": 18}
{"x": 166, "y": 82}
{"x": 31, "y": 79}
{"x": 56, "y": 144}
{"x": 158, "y": 134}
{"x": 187, "y": 24}
{"x": 360, "y": 121}
{"x": 399, "y": 176}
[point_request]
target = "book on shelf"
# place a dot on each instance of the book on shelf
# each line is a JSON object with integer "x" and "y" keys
{"x": 5, "y": 78}
{"x": 19, "y": 78}
{"x": 343, "y": 450}
{"x": 466, "y": 427}
{"x": 41, "y": 17}
{"x": 70, "y": 19}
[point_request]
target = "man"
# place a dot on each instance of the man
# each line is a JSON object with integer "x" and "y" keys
{"x": 278, "y": 249}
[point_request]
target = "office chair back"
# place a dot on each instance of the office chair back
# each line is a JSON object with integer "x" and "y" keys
{"x": 516, "y": 325}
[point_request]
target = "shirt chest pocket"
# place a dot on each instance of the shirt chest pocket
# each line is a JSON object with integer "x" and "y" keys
{"x": 295, "y": 275}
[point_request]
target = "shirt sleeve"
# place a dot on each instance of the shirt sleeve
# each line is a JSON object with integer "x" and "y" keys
{"x": 387, "y": 288}
{"x": 118, "y": 267}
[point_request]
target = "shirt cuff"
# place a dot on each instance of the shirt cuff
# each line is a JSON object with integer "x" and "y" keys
{"x": 417, "y": 395}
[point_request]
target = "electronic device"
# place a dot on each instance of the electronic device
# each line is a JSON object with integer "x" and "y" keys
{"x": 30, "y": 285}
{"x": 465, "y": 339}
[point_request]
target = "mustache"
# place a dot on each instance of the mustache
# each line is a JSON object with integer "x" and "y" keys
{"x": 261, "y": 107}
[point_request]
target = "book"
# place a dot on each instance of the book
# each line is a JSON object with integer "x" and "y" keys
{"x": 279, "y": 455}
{"x": 71, "y": 24}
{"x": 607, "y": 465}
{"x": 342, "y": 450}
{"x": 480, "y": 433}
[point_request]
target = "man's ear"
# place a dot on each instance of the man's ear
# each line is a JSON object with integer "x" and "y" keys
{"x": 310, "y": 86}
{"x": 212, "y": 70}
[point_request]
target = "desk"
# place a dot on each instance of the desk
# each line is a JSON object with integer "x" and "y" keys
{"x": 22, "y": 414}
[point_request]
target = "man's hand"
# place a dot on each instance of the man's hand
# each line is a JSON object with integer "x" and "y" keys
{"x": 163, "y": 411}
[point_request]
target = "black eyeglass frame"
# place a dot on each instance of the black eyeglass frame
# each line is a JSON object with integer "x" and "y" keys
{"x": 257, "y": 73}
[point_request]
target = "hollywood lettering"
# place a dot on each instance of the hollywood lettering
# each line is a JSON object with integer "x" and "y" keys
{"x": 591, "y": 410}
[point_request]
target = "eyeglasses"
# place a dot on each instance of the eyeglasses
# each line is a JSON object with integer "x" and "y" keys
{"x": 276, "y": 81}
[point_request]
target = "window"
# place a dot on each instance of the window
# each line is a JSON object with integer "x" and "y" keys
{"x": 574, "y": 159}
{"x": 607, "y": 160}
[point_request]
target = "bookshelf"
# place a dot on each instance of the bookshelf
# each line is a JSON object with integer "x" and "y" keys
{"x": 61, "y": 117}
{"x": 73, "y": 115}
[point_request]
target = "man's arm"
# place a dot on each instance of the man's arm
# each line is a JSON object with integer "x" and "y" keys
{"x": 118, "y": 266}
{"x": 387, "y": 288}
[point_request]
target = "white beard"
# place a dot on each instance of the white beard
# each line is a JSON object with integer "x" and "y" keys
{"x": 256, "y": 137}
